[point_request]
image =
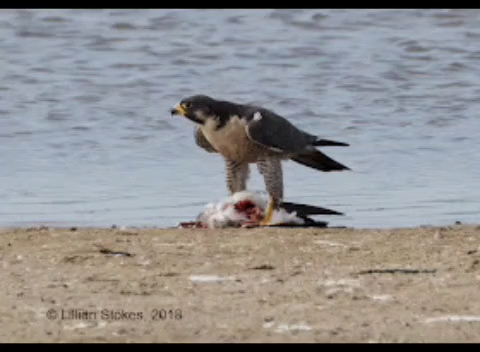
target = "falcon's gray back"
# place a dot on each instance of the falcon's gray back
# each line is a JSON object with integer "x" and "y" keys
{"x": 273, "y": 131}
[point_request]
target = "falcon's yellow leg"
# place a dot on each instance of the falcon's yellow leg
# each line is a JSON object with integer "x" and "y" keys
{"x": 272, "y": 205}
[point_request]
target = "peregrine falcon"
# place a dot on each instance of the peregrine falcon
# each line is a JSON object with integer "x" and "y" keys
{"x": 245, "y": 134}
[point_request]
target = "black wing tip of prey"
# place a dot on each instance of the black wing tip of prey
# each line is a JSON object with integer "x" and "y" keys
{"x": 308, "y": 223}
{"x": 329, "y": 143}
{"x": 305, "y": 209}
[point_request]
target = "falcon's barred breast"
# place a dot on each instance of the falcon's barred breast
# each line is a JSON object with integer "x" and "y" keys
{"x": 245, "y": 134}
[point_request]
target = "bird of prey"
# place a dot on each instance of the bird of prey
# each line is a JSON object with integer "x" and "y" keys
{"x": 245, "y": 134}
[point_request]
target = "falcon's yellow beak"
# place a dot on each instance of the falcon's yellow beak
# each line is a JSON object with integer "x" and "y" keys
{"x": 179, "y": 109}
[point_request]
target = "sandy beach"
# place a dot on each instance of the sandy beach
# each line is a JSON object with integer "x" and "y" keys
{"x": 240, "y": 285}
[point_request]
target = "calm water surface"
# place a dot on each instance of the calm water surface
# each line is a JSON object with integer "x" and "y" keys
{"x": 86, "y": 138}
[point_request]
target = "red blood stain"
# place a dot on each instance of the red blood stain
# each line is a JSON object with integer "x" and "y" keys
{"x": 244, "y": 205}
{"x": 253, "y": 213}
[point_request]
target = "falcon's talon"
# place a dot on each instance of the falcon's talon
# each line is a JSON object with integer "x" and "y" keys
{"x": 264, "y": 224}
{"x": 267, "y": 220}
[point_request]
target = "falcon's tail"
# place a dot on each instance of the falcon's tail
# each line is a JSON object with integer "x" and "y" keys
{"x": 329, "y": 143}
{"x": 317, "y": 160}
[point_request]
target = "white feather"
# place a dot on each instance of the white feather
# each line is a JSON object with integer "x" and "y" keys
{"x": 281, "y": 216}
{"x": 257, "y": 116}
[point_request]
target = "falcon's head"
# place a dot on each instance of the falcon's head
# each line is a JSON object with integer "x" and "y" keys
{"x": 197, "y": 108}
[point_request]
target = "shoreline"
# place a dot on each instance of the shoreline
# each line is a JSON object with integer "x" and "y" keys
{"x": 46, "y": 226}
{"x": 416, "y": 284}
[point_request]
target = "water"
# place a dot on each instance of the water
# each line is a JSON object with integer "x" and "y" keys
{"x": 86, "y": 138}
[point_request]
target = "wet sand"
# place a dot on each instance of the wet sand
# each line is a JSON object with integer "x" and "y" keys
{"x": 240, "y": 285}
